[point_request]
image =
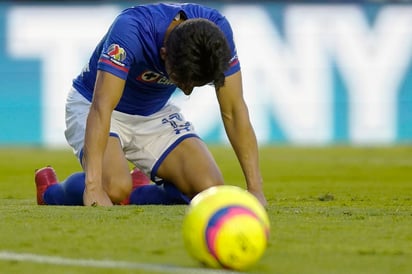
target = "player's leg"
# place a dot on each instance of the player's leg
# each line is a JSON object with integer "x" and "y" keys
{"x": 116, "y": 180}
{"x": 190, "y": 167}
{"x": 116, "y": 177}
{"x": 51, "y": 192}
{"x": 161, "y": 145}
{"x": 174, "y": 156}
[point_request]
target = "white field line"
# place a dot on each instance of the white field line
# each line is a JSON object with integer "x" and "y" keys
{"x": 55, "y": 260}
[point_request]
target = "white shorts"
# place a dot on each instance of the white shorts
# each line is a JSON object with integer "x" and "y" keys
{"x": 146, "y": 140}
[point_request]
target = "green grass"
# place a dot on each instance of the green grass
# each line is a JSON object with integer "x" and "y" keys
{"x": 332, "y": 210}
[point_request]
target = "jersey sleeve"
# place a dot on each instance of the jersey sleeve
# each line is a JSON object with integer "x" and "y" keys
{"x": 234, "y": 64}
{"x": 121, "y": 47}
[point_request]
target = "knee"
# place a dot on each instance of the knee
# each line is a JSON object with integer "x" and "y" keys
{"x": 207, "y": 182}
{"x": 119, "y": 189}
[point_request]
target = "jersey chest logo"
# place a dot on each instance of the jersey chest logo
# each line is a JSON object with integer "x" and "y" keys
{"x": 149, "y": 76}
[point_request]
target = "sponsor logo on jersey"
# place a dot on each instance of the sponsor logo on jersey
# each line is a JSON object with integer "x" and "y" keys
{"x": 116, "y": 54}
{"x": 149, "y": 76}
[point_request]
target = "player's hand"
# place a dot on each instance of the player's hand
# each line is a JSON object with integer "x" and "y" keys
{"x": 260, "y": 196}
{"x": 96, "y": 197}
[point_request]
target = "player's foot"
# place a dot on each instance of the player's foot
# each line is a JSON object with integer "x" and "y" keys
{"x": 44, "y": 177}
{"x": 138, "y": 179}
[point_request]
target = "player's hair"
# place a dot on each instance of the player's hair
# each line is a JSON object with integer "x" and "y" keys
{"x": 198, "y": 53}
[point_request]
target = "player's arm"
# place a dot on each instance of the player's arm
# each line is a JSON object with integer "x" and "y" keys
{"x": 107, "y": 92}
{"x": 240, "y": 132}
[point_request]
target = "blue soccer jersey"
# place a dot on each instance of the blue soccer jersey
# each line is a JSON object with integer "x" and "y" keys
{"x": 131, "y": 50}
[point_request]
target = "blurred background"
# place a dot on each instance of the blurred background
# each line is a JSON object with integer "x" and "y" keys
{"x": 314, "y": 72}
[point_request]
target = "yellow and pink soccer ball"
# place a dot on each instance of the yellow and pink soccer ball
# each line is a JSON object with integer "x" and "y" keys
{"x": 226, "y": 227}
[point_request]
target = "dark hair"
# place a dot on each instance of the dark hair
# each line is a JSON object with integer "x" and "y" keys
{"x": 198, "y": 53}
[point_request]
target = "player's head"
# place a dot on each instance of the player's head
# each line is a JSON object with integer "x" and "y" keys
{"x": 197, "y": 54}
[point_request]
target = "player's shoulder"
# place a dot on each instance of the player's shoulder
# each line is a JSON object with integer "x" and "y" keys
{"x": 201, "y": 11}
{"x": 140, "y": 17}
{"x": 166, "y": 10}
{"x": 155, "y": 10}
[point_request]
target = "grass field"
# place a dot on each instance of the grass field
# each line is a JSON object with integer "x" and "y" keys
{"x": 332, "y": 209}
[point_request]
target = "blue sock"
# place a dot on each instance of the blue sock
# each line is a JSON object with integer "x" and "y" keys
{"x": 165, "y": 194}
{"x": 175, "y": 194}
{"x": 68, "y": 192}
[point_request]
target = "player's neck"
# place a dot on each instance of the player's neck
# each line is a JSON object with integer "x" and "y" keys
{"x": 172, "y": 25}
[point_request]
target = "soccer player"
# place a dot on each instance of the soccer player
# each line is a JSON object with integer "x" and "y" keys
{"x": 118, "y": 111}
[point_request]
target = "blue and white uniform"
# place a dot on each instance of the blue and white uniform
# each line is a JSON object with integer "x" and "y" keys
{"x": 131, "y": 50}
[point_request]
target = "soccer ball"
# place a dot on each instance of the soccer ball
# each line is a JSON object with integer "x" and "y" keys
{"x": 226, "y": 227}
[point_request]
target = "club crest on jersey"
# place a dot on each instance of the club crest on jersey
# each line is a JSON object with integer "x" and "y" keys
{"x": 116, "y": 53}
{"x": 149, "y": 76}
